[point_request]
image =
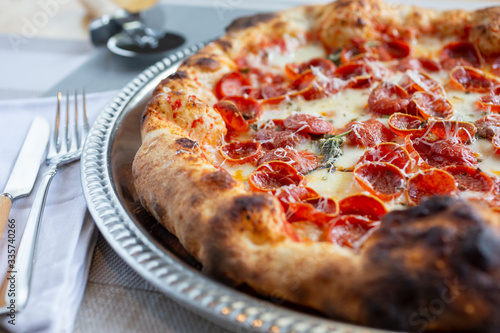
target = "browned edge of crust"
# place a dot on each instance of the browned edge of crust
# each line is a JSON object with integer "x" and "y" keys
{"x": 250, "y": 21}
{"x": 442, "y": 247}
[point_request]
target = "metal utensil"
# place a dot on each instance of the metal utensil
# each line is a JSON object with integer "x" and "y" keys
{"x": 134, "y": 34}
{"x": 63, "y": 149}
{"x": 26, "y": 168}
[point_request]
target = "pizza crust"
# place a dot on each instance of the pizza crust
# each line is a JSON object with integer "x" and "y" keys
{"x": 240, "y": 237}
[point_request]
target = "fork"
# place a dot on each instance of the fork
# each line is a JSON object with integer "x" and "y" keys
{"x": 63, "y": 149}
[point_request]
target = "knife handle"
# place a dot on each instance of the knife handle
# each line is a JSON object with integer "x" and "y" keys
{"x": 5, "y": 205}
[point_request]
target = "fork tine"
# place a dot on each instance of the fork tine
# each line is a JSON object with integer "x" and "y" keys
{"x": 65, "y": 141}
{"x": 85, "y": 118}
{"x": 55, "y": 140}
{"x": 75, "y": 140}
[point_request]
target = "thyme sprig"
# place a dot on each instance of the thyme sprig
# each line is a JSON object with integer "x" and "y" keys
{"x": 331, "y": 150}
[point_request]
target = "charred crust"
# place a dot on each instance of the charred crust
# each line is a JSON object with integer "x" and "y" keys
{"x": 417, "y": 252}
{"x": 224, "y": 44}
{"x": 178, "y": 75}
{"x": 218, "y": 180}
{"x": 250, "y": 21}
{"x": 360, "y": 22}
{"x": 347, "y": 3}
{"x": 185, "y": 143}
{"x": 208, "y": 63}
{"x": 204, "y": 63}
{"x": 253, "y": 204}
{"x": 239, "y": 215}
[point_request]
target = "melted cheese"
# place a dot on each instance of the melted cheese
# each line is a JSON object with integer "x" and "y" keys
{"x": 273, "y": 59}
{"x": 302, "y": 53}
{"x": 332, "y": 184}
{"x": 339, "y": 109}
{"x": 350, "y": 104}
{"x": 489, "y": 162}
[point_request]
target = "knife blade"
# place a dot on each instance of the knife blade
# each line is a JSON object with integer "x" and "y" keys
{"x": 26, "y": 168}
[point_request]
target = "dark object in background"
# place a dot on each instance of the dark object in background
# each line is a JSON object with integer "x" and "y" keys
{"x": 134, "y": 34}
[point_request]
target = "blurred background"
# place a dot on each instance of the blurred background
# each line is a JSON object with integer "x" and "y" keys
{"x": 50, "y": 38}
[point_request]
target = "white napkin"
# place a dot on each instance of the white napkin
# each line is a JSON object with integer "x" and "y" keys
{"x": 67, "y": 233}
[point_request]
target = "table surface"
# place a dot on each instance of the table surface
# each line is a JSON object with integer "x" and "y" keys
{"x": 57, "y": 51}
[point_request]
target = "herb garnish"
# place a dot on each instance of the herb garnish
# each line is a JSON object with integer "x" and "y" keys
{"x": 335, "y": 57}
{"x": 331, "y": 150}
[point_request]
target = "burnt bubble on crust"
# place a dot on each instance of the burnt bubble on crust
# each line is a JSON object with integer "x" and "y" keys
{"x": 185, "y": 143}
{"x": 250, "y": 21}
{"x": 205, "y": 63}
{"x": 226, "y": 45}
{"x": 438, "y": 254}
{"x": 178, "y": 75}
{"x": 218, "y": 180}
{"x": 241, "y": 214}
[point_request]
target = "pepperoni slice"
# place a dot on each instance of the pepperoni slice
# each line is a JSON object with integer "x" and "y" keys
{"x": 273, "y": 175}
{"x": 303, "y": 81}
{"x": 240, "y": 152}
{"x": 404, "y": 124}
{"x": 414, "y": 155}
{"x": 357, "y": 73}
{"x": 388, "y": 98}
{"x": 232, "y": 84}
{"x": 432, "y": 106}
{"x": 418, "y": 65}
{"x": 364, "y": 205}
{"x": 319, "y": 210}
{"x": 495, "y": 67}
{"x": 495, "y": 200}
{"x": 429, "y": 183}
{"x": 388, "y": 152}
{"x": 495, "y": 140}
{"x": 453, "y": 130}
{"x": 232, "y": 116}
{"x": 325, "y": 66}
{"x": 303, "y": 161}
{"x": 306, "y": 123}
{"x": 408, "y": 64}
{"x": 307, "y": 87}
{"x": 471, "y": 79}
{"x": 419, "y": 81}
{"x": 395, "y": 49}
{"x": 368, "y": 133}
{"x": 289, "y": 194}
{"x": 470, "y": 179}
{"x": 271, "y": 139}
{"x": 352, "y": 52}
{"x": 441, "y": 153}
{"x": 466, "y": 53}
{"x": 249, "y": 108}
{"x": 490, "y": 103}
{"x": 488, "y": 125}
{"x": 274, "y": 124}
{"x": 349, "y": 230}
{"x": 429, "y": 64}
{"x": 384, "y": 180}
{"x": 272, "y": 91}
{"x": 352, "y": 69}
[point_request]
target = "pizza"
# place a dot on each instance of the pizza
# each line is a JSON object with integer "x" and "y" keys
{"x": 343, "y": 157}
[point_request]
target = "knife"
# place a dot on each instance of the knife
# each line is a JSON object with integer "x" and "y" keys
{"x": 25, "y": 170}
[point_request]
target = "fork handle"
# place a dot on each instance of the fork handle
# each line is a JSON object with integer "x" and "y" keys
{"x": 26, "y": 251}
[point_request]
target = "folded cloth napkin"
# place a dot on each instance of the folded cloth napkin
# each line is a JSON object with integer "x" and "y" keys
{"x": 67, "y": 233}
